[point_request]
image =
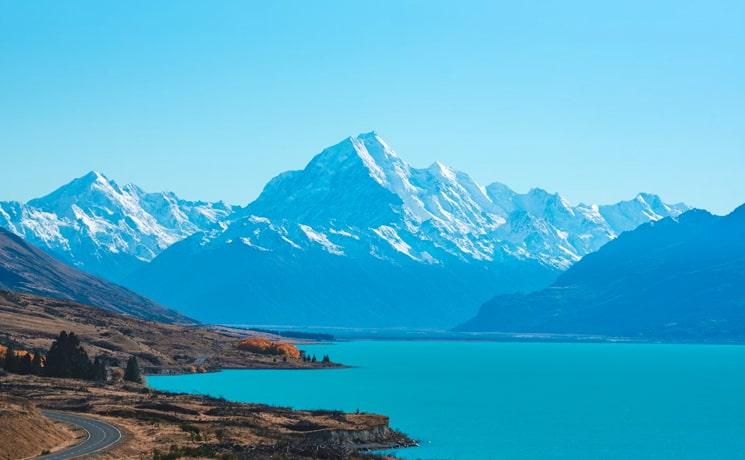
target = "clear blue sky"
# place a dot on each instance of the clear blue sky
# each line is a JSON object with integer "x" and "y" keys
{"x": 596, "y": 100}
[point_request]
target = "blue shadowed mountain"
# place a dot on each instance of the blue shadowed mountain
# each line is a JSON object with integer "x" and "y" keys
{"x": 675, "y": 279}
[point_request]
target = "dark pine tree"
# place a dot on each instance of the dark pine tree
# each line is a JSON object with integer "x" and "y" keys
{"x": 99, "y": 370}
{"x": 67, "y": 358}
{"x": 24, "y": 364}
{"x": 58, "y": 360}
{"x": 132, "y": 373}
{"x": 37, "y": 365}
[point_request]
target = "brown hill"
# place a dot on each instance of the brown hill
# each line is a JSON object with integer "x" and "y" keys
{"x": 25, "y": 432}
{"x": 26, "y": 268}
{"x": 32, "y": 322}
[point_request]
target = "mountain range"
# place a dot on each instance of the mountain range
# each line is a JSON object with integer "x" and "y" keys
{"x": 674, "y": 279}
{"x": 25, "y": 268}
{"x": 106, "y": 229}
{"x": 361, "y": 238}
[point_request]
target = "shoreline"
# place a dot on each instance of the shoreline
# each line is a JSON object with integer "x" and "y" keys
{"x": 530, "y": 338}
{"x": 208, "y": 426}
{"x": 177, "y": 372}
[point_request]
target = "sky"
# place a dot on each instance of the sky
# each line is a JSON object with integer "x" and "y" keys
{"x": 594, "y": 100}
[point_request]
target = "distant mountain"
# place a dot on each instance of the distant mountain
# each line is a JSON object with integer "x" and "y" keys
{"x": 100, "y": 227}
{"x": 361, "y": 238}
{"x": 25, "y": 268}
{"x": 676, "y": 279}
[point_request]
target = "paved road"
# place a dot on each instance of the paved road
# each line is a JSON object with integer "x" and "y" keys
{"x": 100, "y": 435}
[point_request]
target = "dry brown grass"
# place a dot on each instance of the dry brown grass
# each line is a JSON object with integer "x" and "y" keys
{"x": 155, "y": 420}
{"x": 32, "y": 322}
{"x": 25, "y": 432}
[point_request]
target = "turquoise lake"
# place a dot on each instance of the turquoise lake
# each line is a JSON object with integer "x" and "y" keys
{"x": 481, "y": 400}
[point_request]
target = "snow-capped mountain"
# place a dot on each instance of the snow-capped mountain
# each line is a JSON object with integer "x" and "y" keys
{"x": 359, "y": 195}
{"x": 107, "y": 229}
{"x": 361, "y": 237}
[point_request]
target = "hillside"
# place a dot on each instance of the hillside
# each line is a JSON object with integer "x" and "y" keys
{"x": 31, "y": 322}
{"x": 26, "y": 268}
{"x": 25, "y": 432}
{"x": 676, "y": 279}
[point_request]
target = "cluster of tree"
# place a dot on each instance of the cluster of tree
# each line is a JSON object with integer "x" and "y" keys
{"x": 267, "y": 347}
{"x": 22, "y": 363}
{"x": 66, "y": 358}
{"x": 312, "y": 358}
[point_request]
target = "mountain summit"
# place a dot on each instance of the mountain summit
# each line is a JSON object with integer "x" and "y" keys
{"x": 360, "y": 237}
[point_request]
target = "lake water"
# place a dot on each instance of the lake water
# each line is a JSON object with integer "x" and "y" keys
{"x": 480, "y": 400}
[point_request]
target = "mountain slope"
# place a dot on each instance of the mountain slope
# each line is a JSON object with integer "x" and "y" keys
{"x": 680, "y": 279}
{"x": 100, "y": 227}
{"x": 25, "y": 268}
{"x": 359, "y": 237}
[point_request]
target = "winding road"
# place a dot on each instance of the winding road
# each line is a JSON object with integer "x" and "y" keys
{"x": 100, "y": 435}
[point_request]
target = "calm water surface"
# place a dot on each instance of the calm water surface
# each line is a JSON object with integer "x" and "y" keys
{"x": 481, "y": 400}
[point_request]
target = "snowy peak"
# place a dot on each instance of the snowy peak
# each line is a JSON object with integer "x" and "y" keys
{"x": 368, "y": 151}
{"x": 433, "y": 214}
{"x": 93, "y": 223}
{"x": 343, "y": 182}
{"x": 90, "y": 184}
{"x": 627, "y": 215}
{"x": 357, "y": 198}
{"x": 442, "y": 172}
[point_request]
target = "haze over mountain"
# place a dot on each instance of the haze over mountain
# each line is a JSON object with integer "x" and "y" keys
{"x": 679, "y": 278}
{"x": 361, "y": 238}
{"x": 25, "y": 268}
{"x": 98, "y": 226}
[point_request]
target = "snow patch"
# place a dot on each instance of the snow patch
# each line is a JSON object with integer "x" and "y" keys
{"x": 321, "y": 239}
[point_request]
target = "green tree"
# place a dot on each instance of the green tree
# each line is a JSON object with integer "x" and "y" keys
{"x": 67, "y": 358}
{"x": 132, "y": 373}
{"x": 99, "y": 370}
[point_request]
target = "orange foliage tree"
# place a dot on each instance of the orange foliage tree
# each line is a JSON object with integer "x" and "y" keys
{"x": 267, "y": 347}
